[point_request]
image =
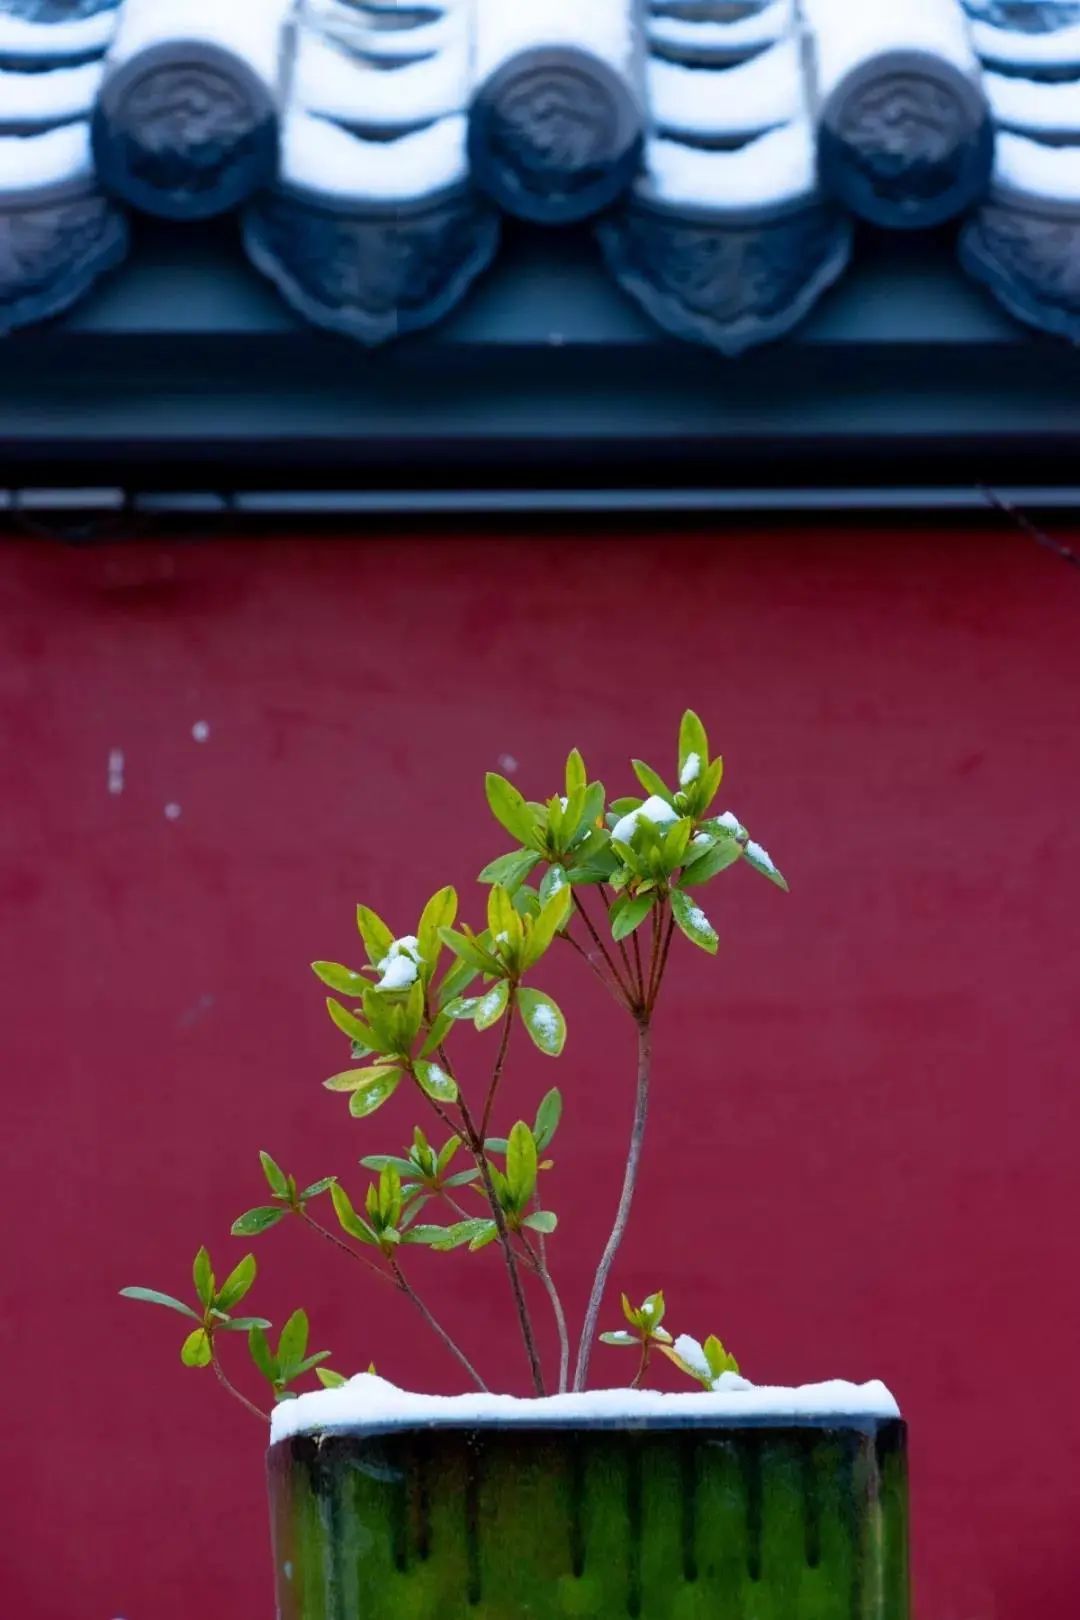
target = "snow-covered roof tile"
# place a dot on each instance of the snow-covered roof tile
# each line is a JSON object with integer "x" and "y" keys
{"x": 374, "y": 144}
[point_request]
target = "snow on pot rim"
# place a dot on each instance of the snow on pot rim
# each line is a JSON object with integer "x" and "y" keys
{"x": 371, "y": 1404}
{"x": 44, "y": 166}
{"x": 1037, "y": 177}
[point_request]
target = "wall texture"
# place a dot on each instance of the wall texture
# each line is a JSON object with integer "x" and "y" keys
{"x": 864, "y": 1146}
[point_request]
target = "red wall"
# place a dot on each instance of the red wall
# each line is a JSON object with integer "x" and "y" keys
{"x": 863, "y": 1156}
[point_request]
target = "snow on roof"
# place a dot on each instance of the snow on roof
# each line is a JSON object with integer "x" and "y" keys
{"x": 373, "y": 103}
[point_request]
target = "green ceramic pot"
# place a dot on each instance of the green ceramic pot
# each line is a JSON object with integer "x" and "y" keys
{"x": 710, "y": 1520}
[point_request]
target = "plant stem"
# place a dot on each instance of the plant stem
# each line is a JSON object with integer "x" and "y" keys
{"x": 622, "y": 1217}
{"x": 602, "y": 948}
{"x": 226, "y": 1384}
{"x": 642, "y": 1372}
{"x": 606, "y": 899}
{"x": 500, "y": 1061}
{"x": 410, "y": 1293}
{"x": 608, "y": 983}
{"x": 540, "y": 1267}
{"x": 346, "y": 1248}
{"x": 475, "y": 1142}
{"x": 660, "y": 966}
{"x": 637, "y": 964}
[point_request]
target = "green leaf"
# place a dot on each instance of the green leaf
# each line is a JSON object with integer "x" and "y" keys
{"x": 436, "y": 1083}
{"x": 371, "y": 1096}
{"x": 357, "y": 1031}
{"x": 621, "y": 1337}
{"x": 548, "y": 1116}
{"x": 629, "y": 912}
{"x": 261, "y": 1354}
{"x": 195, "y": 1350}
{"x": 348, "y": 1219}
{"x": 710, "y": 862}
{"x": 504, "y": 922}
{"x": 510, "y": 870}
{"x": 720, "y": 1360}
{"x": 456, "y": 980}
{"x": 490, "y": 1007}
{"x": 339, "y": 978}
{"x": 632, "y": 1316}
{"x": 554, "y": 879}
{"x": 509, "y": 809}
{"x": 292, "y": 1345}
{"x": 693, "y": 741}
{"x": 376, "y": 936}
{"x": 242, "y": 1324}
{"x": 379, "y": 1161}
{"x": 552, "y": 917}
{"x": 652, "y": 782}
{"x": 237, "y": 1284}
{"x": 487, "y": 1234}
{"x": 693, "y": 922}
{"x": 543, "y": 1020}
{"x": 437, "y": 1034}
{"x": 521, "y": 1164}
{"x": 576, "y": 775}
{"x": 329, "y": 1379}
{"x": 475, "y": 955}
{"x": 258, "y": 1220}
{"x": 707, "y": 792}
{"x": 439, "y": 912}
{"x": 358, "y": 1079}
{"x": 462, "y": 1007}
{"x": 429, "y": 1235}
{"x": 652, "y": 1312}
{"x": 317, "y": 1188}
{"x": 676, "y": 842}
{"x": 151, "y": 1296}
{"x": 762, "y": 862}
{"x": 463, "y": 1178}
{"x": 310, "y": 1362}
{"x": 203, "y": 1277}
{"x": 275, "y": 1176}
{"x": 447, "y": 1153}
{"x": 541, "y": 1220}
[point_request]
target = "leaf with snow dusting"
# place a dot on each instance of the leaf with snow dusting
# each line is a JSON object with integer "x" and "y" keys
{"x": 762, "y": 862}
{"x": 543, "y": 1020}
{"x": 436, "y": 1083}
{"x": 693, "y": 922}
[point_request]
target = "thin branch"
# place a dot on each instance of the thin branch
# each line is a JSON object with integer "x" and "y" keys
{"x": 607, "y": 982}
{"x": 662, "y": 968}
{"x": 621, "y": 943}
{"x": 500, "y": 1062}
{"x": 475, "y": 1143}
{"x": 637, "y": 964}
{"x": 476, "y": 1146}
{"x": 539, "y": 1264}
{"x": 227, "y": 1384}
{"x": 346, "y": 1248}
{"x": 646, "y": 1357}
{"x": 622, "y": 1217}
{"x": 626, "y": 989}
{"x": 410, "y": 1293}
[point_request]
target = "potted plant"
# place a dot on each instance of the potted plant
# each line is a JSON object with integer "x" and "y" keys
{"x": 735, "y": 1501}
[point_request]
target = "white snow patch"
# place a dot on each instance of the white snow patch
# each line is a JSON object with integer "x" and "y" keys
{"x": 400, "y": 966}
{"x": 655, "y": 809}
{"x": 253, "y": 32}
{"x": 701, "y": 839}
{"x": 778, "y": 167}
{"x": 1032, "y": 106}
{"x": 21, "y": 38}
{"x": 544, "y": 1021}
{"x": 623, "y": 1336}
{"x": 693, "y": 1354}
{"x": 846, "y": 34}
{"x": 200, "y": 731}
{"x": 697, "y": 919}
{"x": 321, "y": 156}
{"x": 745, "y": 33}
{"x": 768, "y": 90}
{"x": 330, "y": 82}
{"x": 760, "y": 855}
{"x": 505, "y": 28}
{"x": 731, "y": 1382}
{"x": 1041, "y": 171}
{"x": 358, "y": 32}
{"x": 489, "y": 1004}
{"x": 691, "y": 770}
{"x": 49, "y": 97}
{"x": 368, "y": 1402}
{"x": 1060, "y": 46}
{"x": 731, "y": 821}
{"x": 557, "y": 884}
{"x": 30, "y": 161}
